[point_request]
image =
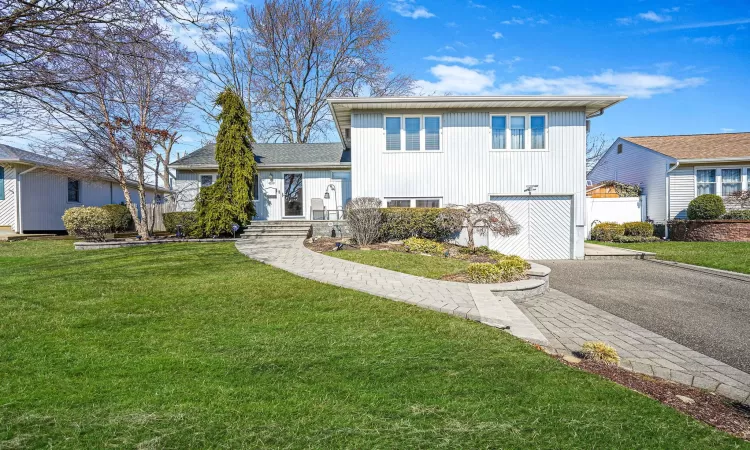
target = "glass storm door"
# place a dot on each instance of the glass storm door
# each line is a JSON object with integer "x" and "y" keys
{"x": 293, "y": 199}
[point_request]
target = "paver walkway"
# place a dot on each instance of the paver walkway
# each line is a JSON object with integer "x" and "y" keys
{"x": 568, "y": 322}
{"x": 473, "y": 302}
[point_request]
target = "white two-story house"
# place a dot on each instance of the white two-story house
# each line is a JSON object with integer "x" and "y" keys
{"x": 528, "y": 153}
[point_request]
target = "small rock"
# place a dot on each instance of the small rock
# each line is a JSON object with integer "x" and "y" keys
{"x": 365, "y": 248}
{"x": 687, "y": 400}
{"x": 572, "y": 359}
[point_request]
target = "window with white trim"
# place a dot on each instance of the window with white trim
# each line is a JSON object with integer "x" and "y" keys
{"x": 413, "y": 202}
{"x": 413, "y": 133}
{"x": 518, "y": 132}
{"x": 731, "y": 181}
{"x": 705, "y": 181}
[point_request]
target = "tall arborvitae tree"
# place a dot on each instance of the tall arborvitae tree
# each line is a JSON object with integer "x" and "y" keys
{"x": 230, "y": 199}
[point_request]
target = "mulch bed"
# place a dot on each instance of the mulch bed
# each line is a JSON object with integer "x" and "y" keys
{"x": 321, "y": 245}
{"x": 711, "y": 408}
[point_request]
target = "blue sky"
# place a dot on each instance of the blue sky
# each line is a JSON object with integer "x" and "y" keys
{"x": 685, "y": 66}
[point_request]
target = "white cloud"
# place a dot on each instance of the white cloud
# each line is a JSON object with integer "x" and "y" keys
{"x": 727, "y": 130}
{"x": 525, "y": 20}
{"x": 672, "y": 9}
{"x": 513, "y": 21}
{"x": 710, "y": 40}
{"x": 464, "y": 60}
{"x": 634, "y": 84}
{"x": 408, "y": 8}
{"x": 489, "y": 58}
{"x": 516, "y": 6}
{"x": 447, "y": 48}
{"x": 654, "y": 17}
{"x": 476, "y": 5}
{"x": 220, "y": 5}
{"x": 497, "y": 35}
{"x": 457, "y": 80}
{"x": 691, "y": 26}
{"x": 556, "y": 68}
{"x": 451, "y": 24}
{"x": 510, "y": 63}
{"x": 625, "y": 20}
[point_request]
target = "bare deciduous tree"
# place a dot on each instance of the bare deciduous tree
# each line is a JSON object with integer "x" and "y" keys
{"x": 596, "y": 146}
{"x": 41, "y": 45}
{"x": 485, "y": 217}
{"x": 308, "y": 50}
{"x": 739, "y": 200}
{"x": 132, "y": 102}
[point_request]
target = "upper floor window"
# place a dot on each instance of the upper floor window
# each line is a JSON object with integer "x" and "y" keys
{"x": 74, "y": 190}
{"x": 412, "y": 133}
{"x": 518, "y": 132}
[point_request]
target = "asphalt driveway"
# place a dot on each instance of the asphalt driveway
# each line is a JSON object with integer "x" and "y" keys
{"x": 706, "y": 312}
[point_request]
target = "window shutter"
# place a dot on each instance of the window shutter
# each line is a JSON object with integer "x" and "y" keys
{"x": 2, "y": 183}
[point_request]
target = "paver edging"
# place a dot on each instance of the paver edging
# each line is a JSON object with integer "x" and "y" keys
{"x": 84, "y": 245}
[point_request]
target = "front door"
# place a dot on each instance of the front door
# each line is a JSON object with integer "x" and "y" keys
{"x": 293, "y": 196}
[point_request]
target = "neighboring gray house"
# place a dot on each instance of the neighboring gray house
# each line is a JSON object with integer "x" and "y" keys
{"x": 527, "y": 153}
{"x": 673, "y": 170}
{"x": 290, "y": 177}
{"x": 33, "y": 196}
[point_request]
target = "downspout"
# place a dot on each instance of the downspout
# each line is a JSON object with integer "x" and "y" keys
{"x": 669, "y": 186}
{"x": 19, "y": 215}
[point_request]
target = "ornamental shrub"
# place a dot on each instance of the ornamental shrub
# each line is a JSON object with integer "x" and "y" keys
{"x": 481, "y": 251}
{"x": 642, "y": 229}
{"x": 600, "y": 351}
{"x": 607, "y": 231}
{"x": 636, "y": 239}
{"x": 706, "y": 207}
{"x": 419, "y": 245}
{"x": 737, "y": 214}
{"x": 89, "y": 222}
{"x": 187, "y": 219}
{"x": 120, "y": 218}
{"x": 483, "y": 273}
{"x": 428, "y": 223}
{"x": 512, "y": 268}
{"x": 363, "y": 215}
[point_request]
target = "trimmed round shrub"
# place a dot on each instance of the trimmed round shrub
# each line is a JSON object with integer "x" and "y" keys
{"x": 428, "y": 223}
{"x": 187, "y": 219}
{"x": 737, "y": 214}
{"x": 642, "y": 229}
{"x": 120, "y": 218}
{"x": 484, "y": 273}
{"x": 512, "y": 268}
{"x": 600, "y": 351}
{"x": 419, "y": 245}
{"x": 607, "y": 231}
{"x": 706, "y": 207}
{"x": 91, "y": 223}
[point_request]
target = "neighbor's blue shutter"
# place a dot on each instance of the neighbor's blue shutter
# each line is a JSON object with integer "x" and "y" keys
{"x": 2, "y": 183}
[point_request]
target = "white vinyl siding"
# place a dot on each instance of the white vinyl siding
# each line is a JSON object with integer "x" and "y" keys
{"x": 8, "y": 203}
{"x": 681, "y": 191}
{"x": 465, "y": 171}
{"x": 629, "y": 163}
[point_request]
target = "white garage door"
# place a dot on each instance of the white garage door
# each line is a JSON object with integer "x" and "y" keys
{"x": 545, "y": 227}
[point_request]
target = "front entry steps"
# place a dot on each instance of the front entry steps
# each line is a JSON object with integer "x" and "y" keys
{"x": 281, "y": 229}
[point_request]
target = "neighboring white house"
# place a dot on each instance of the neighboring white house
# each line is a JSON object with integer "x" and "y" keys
{"x": 528, "y": 153}
{"x": 33, "y": 197}
{"x": 292, "y": 179}
{"x": 673, "y": 170}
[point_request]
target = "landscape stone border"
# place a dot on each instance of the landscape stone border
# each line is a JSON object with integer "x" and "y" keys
{"x": 85, "y": 245}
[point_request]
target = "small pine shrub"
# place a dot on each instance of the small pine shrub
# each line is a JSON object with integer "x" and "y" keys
{"x": 737, "y": 214}
{"x": 483, "y": 273}
{"x": 187, "y": 219}
{"x": 642, "y": 229}
{"x": 607, "y": 231}
{"x": 706, "y": 207}
{"x": 481, "y": 251}
{"x": 601, "y": 352}
{"x": 91, "y": 223}
{"x": 119, "y": 217}
{"x": 419, "y": 245}
{"x": 512, "y": 268}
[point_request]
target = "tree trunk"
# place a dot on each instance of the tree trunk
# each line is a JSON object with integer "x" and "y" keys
{"x": 470, "y": 234}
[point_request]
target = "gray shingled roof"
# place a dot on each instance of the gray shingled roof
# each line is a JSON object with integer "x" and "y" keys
{"x": 12, "y": 154}
{"x": 329, "y": 153}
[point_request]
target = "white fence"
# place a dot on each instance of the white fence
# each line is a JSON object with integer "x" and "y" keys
{"x": 620, "y": 210}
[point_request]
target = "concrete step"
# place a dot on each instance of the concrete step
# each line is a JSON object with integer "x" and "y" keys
{"x": 256, "y": 233}
{"x": 275, "y": 224}
{"x": 279, "y": 227}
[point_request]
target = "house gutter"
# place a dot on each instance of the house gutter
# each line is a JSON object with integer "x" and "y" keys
{"x": 19, "y": 214}
{"x": 666, "y": 222}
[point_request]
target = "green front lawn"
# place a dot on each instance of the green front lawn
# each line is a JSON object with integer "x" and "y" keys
{"x": 420, "y": 265}
{"x": 734, "y": 256}
{"x": 196, "y": 346}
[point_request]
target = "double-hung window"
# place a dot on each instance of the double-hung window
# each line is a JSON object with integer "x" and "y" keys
{"x": 413, "y": 203}
{"x": 731, "y": 181}
{"x": 412, "y": 133}
{"x": 706, "y": 181}
{"x": 74, "y": 190}
{"x": 518, "y": 132}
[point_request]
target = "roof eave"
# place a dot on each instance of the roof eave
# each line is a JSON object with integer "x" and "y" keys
{"x": 269, "y": 166}
{"x": 713, "y": 160}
